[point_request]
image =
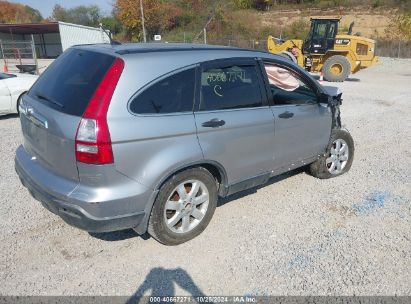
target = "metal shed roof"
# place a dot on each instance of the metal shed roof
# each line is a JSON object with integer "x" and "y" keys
{"x": 30, "y": 28}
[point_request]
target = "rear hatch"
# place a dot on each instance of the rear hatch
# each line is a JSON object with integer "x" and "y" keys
{"x": 52, "y": 109}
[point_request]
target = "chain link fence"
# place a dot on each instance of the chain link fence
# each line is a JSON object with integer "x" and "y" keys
{"x": 243, "y": 43}
{"x": 18, "y": 56}
{"x": 393, "y": 49}
{"x": 383, "y": 48}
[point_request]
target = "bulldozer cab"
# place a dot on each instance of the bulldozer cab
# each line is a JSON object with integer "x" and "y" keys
{"x": 321, "y": 36}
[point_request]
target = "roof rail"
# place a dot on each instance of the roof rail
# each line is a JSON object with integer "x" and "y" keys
{"x": 181, "y": 49}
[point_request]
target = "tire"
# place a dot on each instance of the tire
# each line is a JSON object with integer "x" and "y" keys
{"x": 323, "y": 167}
{"x": 173, "y": 220}
{"x": 336, "y": 68}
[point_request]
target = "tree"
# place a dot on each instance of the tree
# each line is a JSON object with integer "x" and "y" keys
{"x": 404, "y": 25}
{"x": 400, "y": 26}
{"x": 158, "y": 16}
{"x": 36, "y": 15}
{"x": 18, "y": 13}
{"x": 112, "y": 24}
{"x": 59, "y": 13}
{"x": 84, "y": 15}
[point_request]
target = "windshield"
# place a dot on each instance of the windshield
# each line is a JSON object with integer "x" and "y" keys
{"x": 5, "y": 76}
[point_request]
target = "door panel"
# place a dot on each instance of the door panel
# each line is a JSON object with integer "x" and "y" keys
{"x": 301, "y": 132}
{"x": 243, "y": 145}
{"x": 302, "y": 125}
{"x": 235, "y": 125}
{"x": 5, "y": 98}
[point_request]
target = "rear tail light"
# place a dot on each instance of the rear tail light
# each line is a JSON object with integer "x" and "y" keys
{"x": 93, "y": 142}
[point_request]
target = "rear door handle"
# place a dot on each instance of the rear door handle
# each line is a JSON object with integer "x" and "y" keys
{"x": 286, "y": 115}
{"x": 213, "y": 123}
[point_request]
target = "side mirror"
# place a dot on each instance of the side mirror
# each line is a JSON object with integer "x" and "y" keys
{"x": 331, "y": 101}
{"x": 325, "y": 98}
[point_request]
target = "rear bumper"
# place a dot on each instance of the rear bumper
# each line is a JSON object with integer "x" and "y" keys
{"x": 78, "y": 213}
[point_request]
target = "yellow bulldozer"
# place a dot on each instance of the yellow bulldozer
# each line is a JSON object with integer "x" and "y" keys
{"x": 325, "y": 50}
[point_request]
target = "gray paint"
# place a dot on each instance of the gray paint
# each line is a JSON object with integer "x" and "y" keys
{"x": 52, "y": 147}
{"x": 244, "y": 146}
{"x": 252, "y": 145}
{"x": 302, "y": 136}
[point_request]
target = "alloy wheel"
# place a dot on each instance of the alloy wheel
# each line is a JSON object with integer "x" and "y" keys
{"x": 338, "y": 157}
{"x": 186, "y": 206}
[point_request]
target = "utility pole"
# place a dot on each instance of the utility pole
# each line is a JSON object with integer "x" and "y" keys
{"x": 142, "y": 20}
{"x": 205, "y": 29}
{"x": 205, "y": 35}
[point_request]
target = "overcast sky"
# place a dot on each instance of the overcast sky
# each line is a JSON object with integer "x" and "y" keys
{"x": 46, "y": 6}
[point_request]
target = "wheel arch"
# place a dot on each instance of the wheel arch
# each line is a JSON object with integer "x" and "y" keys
{"x": 215, "y": 168}
{"x": 331, "y": 53}
{"x": 20, "y": 96}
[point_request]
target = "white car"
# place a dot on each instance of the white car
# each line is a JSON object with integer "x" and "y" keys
{"x": 12, "y": 88}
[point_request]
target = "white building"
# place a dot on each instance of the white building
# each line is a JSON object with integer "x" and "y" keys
{"x": 50, "y": 40}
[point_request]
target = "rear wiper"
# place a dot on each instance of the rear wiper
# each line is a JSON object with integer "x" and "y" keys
{"x": 49, "y": 100}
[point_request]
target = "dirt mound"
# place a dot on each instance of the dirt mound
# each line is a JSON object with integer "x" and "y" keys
{"x": 371, "y": 23}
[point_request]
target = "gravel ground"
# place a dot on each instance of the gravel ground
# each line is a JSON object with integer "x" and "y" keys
{"x": 295, "y": 236}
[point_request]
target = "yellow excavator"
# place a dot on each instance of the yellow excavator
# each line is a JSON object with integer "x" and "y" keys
{"x": 324, "y": 50}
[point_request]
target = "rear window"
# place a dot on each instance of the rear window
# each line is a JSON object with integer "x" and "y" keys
{"x": 69, "y": 83}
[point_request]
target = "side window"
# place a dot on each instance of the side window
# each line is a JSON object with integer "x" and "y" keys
{"x": 331, "y": 31}
{"x": 230, "y": 88}
{"x": 172, "y": 94}
{"x": 287, "y": 88}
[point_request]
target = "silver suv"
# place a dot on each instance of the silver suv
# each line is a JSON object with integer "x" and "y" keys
{"x": 149, "y": 136}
